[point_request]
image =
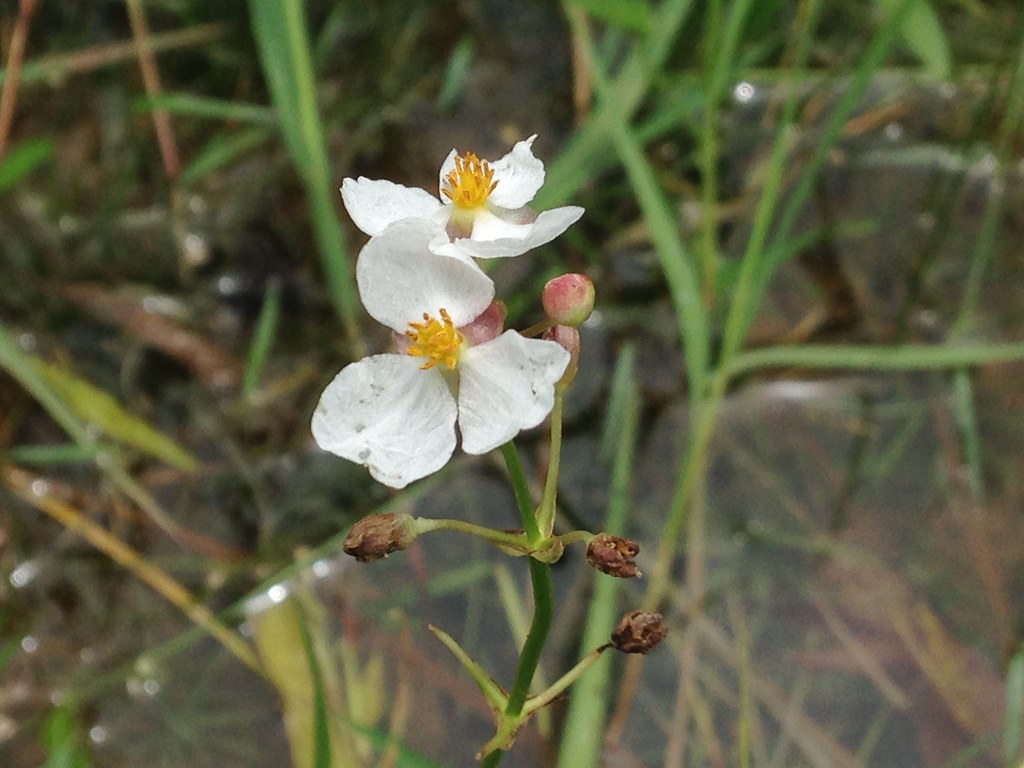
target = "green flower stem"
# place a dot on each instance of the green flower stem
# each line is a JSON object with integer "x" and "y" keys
{"x": 543, "y": 600}
{"x": 521, "y": 487}
{"x": 573, "y": 536}
{"x": 543, "y": 609}
{"x": 515, "y": 541}
{"x": 546, "y": 511}
{"x": 558, "y": 687}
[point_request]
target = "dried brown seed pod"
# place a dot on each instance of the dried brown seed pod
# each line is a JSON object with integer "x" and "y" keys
{"x": 639, "y": 632}
{"x": 613, "y": 555}
{"x": 377, "y": 536}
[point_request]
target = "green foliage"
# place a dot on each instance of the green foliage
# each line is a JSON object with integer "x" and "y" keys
{"x": 23, "y": 159}
{"x": 64, "y": 740}
{"x": 280, "y": 32}
{"x": 630, "y": 15}
{"x": 96, "y": 407}
{"x": 923, "y": 34}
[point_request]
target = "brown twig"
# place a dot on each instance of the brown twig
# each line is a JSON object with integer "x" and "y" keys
{"x": 9, "y": 96}
{"x": 51, "y": 69}
{"x": 151, "y": 79}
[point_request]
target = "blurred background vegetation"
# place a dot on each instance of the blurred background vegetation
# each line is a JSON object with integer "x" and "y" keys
{"x": 800, "y": 393}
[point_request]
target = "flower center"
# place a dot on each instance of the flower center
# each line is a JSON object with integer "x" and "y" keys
{"x": 436, "y": 340}
{"x": 470, "y": 183}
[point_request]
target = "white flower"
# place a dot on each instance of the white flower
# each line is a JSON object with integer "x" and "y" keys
{"x": 396, "y": 413}
{"x": 481, "y": 208}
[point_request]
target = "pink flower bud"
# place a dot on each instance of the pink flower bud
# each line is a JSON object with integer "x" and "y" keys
{"x": 569, "y": 339}
{"x": 569, "y": 299}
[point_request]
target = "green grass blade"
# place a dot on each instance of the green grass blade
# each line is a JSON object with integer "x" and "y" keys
{"x": 283, "y": 42}
{"x": 910, "y": 357}
{"x": 581, "y": 747}
{"x": 587, "y": 151}
{"x": 94, "y": 406}
{"x": 205, "y": 106}
{"x": 220, "y": 151}
{"x": 1013, "y": 738}
{"x": 923, "y": 34}
{"x": 629, "y": 15}
{"x": 50, "y": 454}
{"x": 321, "y": 725}
{"x": 745, "y": 307}
{"x": 676, "y": 262}
{"x": 24, "y": 158}
{"x": 263, "y": 338}
{"x": 22, "y": 369}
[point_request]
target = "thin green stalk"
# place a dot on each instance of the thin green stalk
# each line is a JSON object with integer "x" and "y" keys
{"x": 498, "y": 538}
{"x": 587, "y": 707}
{"x": 283, "y": 42}
{"x": 909, "y": 357}
{"x": 543, "y": 611}
{"x": 1013, "y": 723}
{"x": 543, "y": 599}
{"x": 676, "y": 262}
{"x": 262, "y": 338}
{"x": 721, "y": 55}
{"x": 521, "y": 488}
{"x": 744, "y": 294}
{"x": 707, "y": 255}
{"x": 548, "y": 502}
{"x": 586, "y": 151}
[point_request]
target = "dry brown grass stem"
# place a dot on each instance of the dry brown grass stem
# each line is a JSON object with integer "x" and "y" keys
{"x": 9, "y": 96}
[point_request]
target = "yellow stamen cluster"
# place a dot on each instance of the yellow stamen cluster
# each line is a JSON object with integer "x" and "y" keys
{"x": 470, "y": 183}
{"x": 436, "y": 340}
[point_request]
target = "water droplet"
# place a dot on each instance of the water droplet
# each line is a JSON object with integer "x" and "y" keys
{"x": 277, "y": 593}
{"x": 227, "y": 285}
{"x": 195, "y": 249}
{"x": 29, "y": 644}
{"x": 24, "y": 573}
{"x": 139, "y": 688}
{"x": 196, "y": 204}
{"x": 744, "y": 92}
{"x": 98, "y": 734}
{"x": 322, "y": 569}
{"x": 894, "y": 131}
{"x": 28, "y": 342}
{"x": 40, "y": 488}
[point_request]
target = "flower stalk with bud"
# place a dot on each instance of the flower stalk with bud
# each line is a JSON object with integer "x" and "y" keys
{"x": 457, "y": 376}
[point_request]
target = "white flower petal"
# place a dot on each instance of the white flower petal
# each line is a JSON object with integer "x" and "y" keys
{"x": 548, "y": 226}
{"x": 505, "y": 386}
{"x": 494, "y": 225}
{"x": 400, "y": 278}
{"x": 519, "y": 175}
{"x": 387, "y": 414}
{"x": 446, "y": 167}
{"x": 374, "y": 204}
